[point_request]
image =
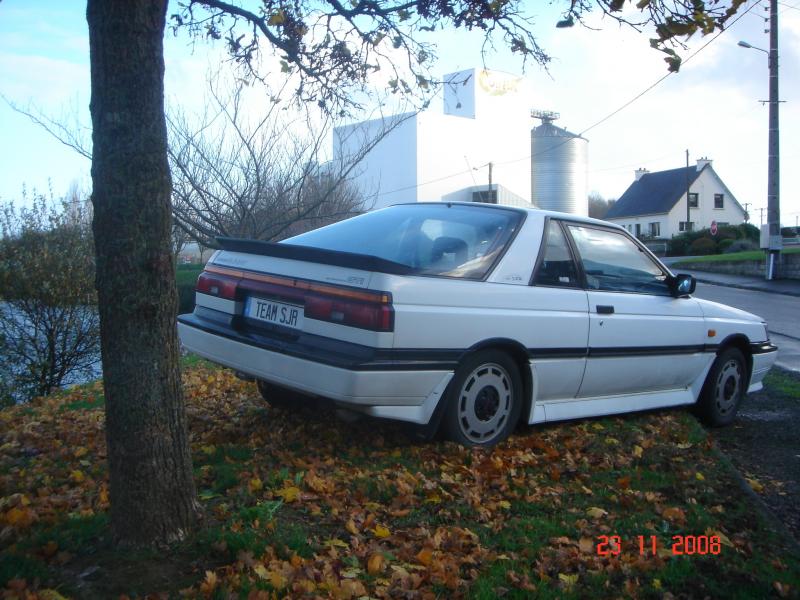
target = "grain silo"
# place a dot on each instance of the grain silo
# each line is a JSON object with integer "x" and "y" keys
{"x": 559, "y": 167}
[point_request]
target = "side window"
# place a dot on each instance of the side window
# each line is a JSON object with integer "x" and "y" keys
{"x": 556, "y": 267}
{"x": 614, "y": 263}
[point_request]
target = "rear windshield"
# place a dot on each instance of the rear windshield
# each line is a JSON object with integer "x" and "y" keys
{"x": 448, "y": 240}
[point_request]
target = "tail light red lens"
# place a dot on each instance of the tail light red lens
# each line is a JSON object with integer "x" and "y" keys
{"x": 217, "y": 285}
{"x": 376, "y": 316}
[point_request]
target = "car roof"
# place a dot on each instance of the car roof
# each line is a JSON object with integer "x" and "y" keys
{"x": 536, "y": 212}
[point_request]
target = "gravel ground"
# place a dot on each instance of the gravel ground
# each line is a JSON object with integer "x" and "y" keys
{"x": 764, "y": 444}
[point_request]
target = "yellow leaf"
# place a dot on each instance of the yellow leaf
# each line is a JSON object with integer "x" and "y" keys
{"x": 505, "y": 504}
{"x": 261, "y": 571}
{"x": 375, "y": 564}
{"x": 210, "y": 449}
{"x": 568, "y": 580}
{"x": 612, "y": 441}
{"x": 77, "y": 476}
{"x": 351, "y": 527}
{"x": 657, "y": 584}
{"x": 289, "y": 494}
{"x": 277, "y": 18}
{"x": 381, "y": 531}
{"x": 699, "y": 476}
{"x": 277, "y": 580}
{"x": 336, "y": 542}
{"x": 637, "y": 451}
{"x": 723, "y": 539}
{"x": 80, "y": 451}
{"x": 49, "y": 595}
{"x": 596, "y": 513}
{"x": 255, "y": 485}
{"x": 755, "y": 484}
{"x": 586, "y": 544}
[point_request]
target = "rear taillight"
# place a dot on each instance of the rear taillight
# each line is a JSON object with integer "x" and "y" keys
{"x": 217, "y": 285}
{"x": 377, "y": 315}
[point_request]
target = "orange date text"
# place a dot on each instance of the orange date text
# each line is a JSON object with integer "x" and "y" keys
{"x": 650, "y": 545}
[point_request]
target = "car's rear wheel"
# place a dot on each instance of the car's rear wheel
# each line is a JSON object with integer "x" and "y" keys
{"x": 484, "y": 399}
{"x": 279, "y": 397}
{"x": 724, "y": 388}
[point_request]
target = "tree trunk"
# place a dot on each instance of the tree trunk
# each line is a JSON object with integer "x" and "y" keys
{"x": 153, "y": 496}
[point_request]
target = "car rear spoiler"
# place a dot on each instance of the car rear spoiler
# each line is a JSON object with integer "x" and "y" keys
{"x": 365, "y": 262}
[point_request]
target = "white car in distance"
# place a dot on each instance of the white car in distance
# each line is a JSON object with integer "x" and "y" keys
{"x": 472, "y": 318}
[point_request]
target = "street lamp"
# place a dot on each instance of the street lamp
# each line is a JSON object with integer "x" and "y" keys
{"x": 773, "y": 165}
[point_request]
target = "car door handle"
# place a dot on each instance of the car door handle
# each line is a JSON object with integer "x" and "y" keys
{"x": 605, "y": 310}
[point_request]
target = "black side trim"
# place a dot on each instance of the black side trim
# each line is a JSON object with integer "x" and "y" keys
{"x": 366, "y": 262}
{"x": 763, "y": 347}
{"x": 534, "y": 353}
{"x": 649, "y": 351}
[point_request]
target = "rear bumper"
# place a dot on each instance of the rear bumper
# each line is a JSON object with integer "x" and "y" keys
{"x": 764, "y": 356}
{"x": 406, "y": 395}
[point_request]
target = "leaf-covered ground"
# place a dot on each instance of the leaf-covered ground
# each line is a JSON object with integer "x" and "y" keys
{"x": 302, "y": 505}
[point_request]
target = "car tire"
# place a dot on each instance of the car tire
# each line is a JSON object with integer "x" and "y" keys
{"x": 483, "y": 400}
{"x": 279, "y": 397}
{"x": 724, "y": 389}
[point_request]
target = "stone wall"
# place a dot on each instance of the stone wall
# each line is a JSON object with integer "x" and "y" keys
{"x": 790, "y": 268}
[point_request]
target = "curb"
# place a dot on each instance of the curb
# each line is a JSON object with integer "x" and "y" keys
{"x": 742, "y": 286}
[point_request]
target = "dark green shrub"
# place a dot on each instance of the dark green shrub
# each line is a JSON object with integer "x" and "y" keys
{"x": 703, "y": 246}
{"x": 723, "y": 245}
{"x": 741, "y": 246}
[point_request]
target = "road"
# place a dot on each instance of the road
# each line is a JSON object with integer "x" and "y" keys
{"x": 782, "y": 314}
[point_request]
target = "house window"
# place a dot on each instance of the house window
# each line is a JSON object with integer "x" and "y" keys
{"x": 685, "y": 226}
{"x": 719, "y": 200}
{"x": 638, "y": 230}
{"x": 655, "y": 230}
{"x": 694, "y": 200}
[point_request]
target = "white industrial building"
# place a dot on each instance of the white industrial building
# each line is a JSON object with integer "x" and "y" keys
{"x": 444, "y": 154}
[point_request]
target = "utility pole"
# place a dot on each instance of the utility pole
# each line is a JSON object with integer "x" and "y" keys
{"x": 688, "y": 203}
{"x": 773, "y": 167}
{"x": 490, "y": 185}
{"x": 761, "y": 214}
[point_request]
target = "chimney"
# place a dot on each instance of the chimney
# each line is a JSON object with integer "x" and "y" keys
{"x": 702, "y": 162}
{"x": 639, "y": 172}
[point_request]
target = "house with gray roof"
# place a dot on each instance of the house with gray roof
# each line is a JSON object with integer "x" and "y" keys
{"x": 654, "y": 206}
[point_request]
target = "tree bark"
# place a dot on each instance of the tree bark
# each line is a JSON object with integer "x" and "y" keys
{"x": 153, "y": 497}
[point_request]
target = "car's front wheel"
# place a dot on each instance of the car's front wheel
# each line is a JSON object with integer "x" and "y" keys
{"x": 484, "y": 399}
{"x": 724, "y": 388}
{"x": 277, "y": 396}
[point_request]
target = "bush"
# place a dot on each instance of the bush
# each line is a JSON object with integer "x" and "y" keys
{"x": 723, "y": 245}
{"x": 703, "y": 246}
{"x": 741, "y": 246}
{"x": 49, "y": 327}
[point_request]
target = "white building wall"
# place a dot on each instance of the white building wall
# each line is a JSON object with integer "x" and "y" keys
{"x": 388, "y": 174}
{"x": 441, "y": 153}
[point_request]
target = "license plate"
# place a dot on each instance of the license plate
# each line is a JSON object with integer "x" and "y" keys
{"x": 279, "y": 313}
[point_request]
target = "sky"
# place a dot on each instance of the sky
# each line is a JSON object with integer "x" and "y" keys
{"x": 711, "y": 107}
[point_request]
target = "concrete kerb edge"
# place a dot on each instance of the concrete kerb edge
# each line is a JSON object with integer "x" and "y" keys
{"x": 747, "y": 287}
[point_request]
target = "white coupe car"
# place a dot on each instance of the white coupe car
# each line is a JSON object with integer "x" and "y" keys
{"x": 473, "y": 317}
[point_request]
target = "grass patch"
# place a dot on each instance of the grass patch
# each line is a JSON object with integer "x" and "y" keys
{"x": 783, "y": 382}
{"x": 732, "y": 257}
{"x": 188, "y": 274}
{"x": 301, "y": 504}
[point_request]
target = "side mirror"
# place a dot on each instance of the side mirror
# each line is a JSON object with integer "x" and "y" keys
{"x": 682, "y": 285}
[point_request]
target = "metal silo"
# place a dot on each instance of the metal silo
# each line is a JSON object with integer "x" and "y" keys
{"x": 559, "y": 167}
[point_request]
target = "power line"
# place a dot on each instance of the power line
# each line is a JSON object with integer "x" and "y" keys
{"x": 596, "y": 124}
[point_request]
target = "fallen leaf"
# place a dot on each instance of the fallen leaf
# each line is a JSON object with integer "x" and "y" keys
{"x": 586, "y": 544}
{"x": 255, "y": 485}
{"x": 381, "y": 531}
{"x": 596, "y": 513}
{"x": 637, "y": 451}
{"x": 754, "y": 484}
{"x": 425, "y": 556}
{"x": 289, "y": 494}
{"x": 375, "y": 564}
